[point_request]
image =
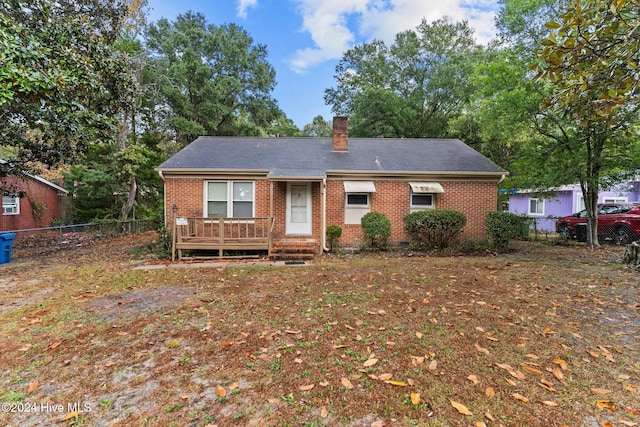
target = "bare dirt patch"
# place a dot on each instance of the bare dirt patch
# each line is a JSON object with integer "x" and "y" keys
{"x": 547, "y": 335}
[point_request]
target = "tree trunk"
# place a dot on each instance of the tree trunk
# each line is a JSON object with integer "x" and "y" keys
{"x": 131, "y": 198}
{"x": 123, "y": 135}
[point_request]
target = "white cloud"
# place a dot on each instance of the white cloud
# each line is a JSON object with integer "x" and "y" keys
{"x": 243, "y": 5}
{"x": 327, "y": 23}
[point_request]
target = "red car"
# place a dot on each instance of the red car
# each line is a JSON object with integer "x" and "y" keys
{"x": 619, "y": 222}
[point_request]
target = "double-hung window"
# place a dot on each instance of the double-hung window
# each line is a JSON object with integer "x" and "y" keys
{"x": 10, "y": 205}
{"x": 230, "y": 199}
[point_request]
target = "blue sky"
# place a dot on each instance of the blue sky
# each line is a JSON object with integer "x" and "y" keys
{"x": 307, "y": 38}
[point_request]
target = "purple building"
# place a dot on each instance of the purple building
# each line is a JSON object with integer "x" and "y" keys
{"x": 544, "y": 209}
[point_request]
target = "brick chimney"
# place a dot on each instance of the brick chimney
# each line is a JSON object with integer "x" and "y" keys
{"x": 340, "y": 134}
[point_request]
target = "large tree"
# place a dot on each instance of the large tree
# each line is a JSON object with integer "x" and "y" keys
{"x": 592, "y": 58}
{"x": 214, "y": 79}
{"x": 409, "y": 89}
{"x": 61, "y": 80}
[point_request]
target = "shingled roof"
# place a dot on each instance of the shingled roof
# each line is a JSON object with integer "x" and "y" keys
{"x": 314, "y": 157}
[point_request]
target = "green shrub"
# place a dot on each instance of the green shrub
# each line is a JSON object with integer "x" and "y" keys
{"x": 502, "y": 227}
{"x": 434, "y": 228}
{"x": 377, "y": 229}
{"x": 333, "y": 234}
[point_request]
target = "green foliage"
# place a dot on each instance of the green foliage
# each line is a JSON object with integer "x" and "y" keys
{"x": 214, "y": 80}
{"x": 377, "y": 229}
{"x": 434, "y": 228}
{"x": 61, "y": 81}
{"x": 94, "y": 193}
{"x": 591, "y": 57}
{"x": 501, "y": 227}
{"x": 318, "y": 127}
{"x": 409, "y": 89}
{"x": 333, "y": 233}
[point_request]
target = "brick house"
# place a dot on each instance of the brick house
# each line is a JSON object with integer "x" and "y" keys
{"x": 42, "y": 202}
{"x": 304, "y": 185}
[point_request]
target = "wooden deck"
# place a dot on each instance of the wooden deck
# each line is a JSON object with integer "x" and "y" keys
{"x": 221, "y": 234}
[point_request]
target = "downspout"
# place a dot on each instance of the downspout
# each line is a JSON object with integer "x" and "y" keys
{"x": 323, "y": 237}
{"x": 164, "y": 197}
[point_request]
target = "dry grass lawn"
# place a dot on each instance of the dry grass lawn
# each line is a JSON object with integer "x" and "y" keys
{"x": 548, "y": 335}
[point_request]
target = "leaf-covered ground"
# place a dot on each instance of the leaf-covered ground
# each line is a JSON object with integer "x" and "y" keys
{"x": 548, "y": 335}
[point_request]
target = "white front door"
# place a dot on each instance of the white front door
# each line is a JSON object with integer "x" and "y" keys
{"x": 298, "y": 208}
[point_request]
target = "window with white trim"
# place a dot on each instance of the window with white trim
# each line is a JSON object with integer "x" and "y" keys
{"x": 422, "y": 201}
{"x": 358, "y": 200}
{"x": 10, "y": 205}
{"x": 357, "y": 205}
{"x": 579, "y": 203}
{"x": 536, "y": 206}
{"x": 615, "y": 200}
{"x": 230, "y": 199}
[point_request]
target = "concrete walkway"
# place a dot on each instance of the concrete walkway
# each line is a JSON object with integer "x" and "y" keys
{"x": 222, "y": 264}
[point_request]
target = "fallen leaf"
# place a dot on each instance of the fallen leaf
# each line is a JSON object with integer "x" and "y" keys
{"x": 549, "y": 403}
{"x": 370, "y": 362}
{"x": 417, "y": 360}
{"x": 547, "y": 385}
{"x": 379, "y": 423}
{"x": 489, "y": 392}
{"x": 71, "y": 415}
{"x": 398, "y": 383}
{"x": 530, "y": 369}
{"x": 274, "y": 400}
{"x": 520, "y": 397}
{"x": 628, "y": 423}
{"x": 220, "y": 391}
{"x": 593, "y": 354}
{"x": 433, "y": 365}
{"x": 557, "y": 373}
{"x": 415, "y": 398}
{"x": 561, "y": 363}
{"x": 481, "y": 349}
{"x": 346, "y": 383}
{"x": 384, "y": 377}
{"x": 473, "y": 379}
{"x": 323, "y": 412}
{"x": 480, "y": 424}
{"x": 600, "y": 390}
{"x": 306, "y": 387}
{"x": 32, "y": 387}
{"x": 460, "y": 408}
{"x": 489, "y": 416}
{"x": 606, "y": 404}
{"x": 419, "y": 334}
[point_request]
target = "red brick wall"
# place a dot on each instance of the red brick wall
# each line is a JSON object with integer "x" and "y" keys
{"x": 392, "y": 198}
{"x": 36, "y": 191}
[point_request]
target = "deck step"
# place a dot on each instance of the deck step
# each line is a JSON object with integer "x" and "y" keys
{"x": 294, "y": 250}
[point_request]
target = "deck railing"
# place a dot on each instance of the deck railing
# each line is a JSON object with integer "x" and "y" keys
{"x": 222, "y": 234}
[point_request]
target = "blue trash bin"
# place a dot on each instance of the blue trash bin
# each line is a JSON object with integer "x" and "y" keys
{"x": 6, "y": 246}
